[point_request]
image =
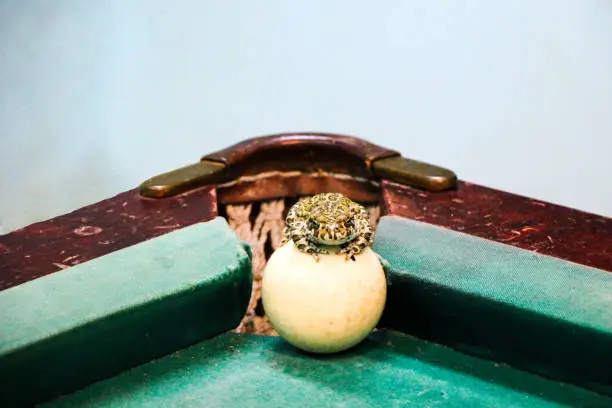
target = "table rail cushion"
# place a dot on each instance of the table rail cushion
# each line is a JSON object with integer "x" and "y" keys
{"x": 66, "y": 330}
{"x": 533, "y": 311}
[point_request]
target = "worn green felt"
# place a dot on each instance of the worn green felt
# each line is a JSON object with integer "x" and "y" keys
{"x": 94, "y": 320}
{"x": 387, "y": 370}
{"x": 533, "y": 311}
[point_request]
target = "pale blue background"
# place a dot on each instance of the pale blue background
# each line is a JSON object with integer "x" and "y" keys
{"x": 97, "y": 96}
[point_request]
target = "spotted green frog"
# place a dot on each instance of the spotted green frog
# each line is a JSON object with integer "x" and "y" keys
{"x": 328, "y": 219}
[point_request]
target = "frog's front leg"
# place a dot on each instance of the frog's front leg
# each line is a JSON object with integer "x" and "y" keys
{"x": 364, "y": 238}
{"x": 306, "y": 246}
{"x": 355, "y": 247}
{"x": 286, "y": 236}
{"x": 298, "y": 232}
{"x": 295, "y": 224}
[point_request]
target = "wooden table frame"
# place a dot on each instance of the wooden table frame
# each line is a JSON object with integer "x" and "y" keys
{"x": 299, "y": 164}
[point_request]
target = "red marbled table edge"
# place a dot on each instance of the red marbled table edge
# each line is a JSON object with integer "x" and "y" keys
{"x": 126, "y": 219}
{"x": 96, "y": 230}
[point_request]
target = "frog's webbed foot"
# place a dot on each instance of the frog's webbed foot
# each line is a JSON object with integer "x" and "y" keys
{"x": 304, "y": 245}
{"x": 355, "y": 247}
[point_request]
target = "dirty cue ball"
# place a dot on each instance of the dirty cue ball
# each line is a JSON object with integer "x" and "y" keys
{"x": 324, "y": 289}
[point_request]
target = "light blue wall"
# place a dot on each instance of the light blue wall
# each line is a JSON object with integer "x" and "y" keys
{"x": 97, "y": 96}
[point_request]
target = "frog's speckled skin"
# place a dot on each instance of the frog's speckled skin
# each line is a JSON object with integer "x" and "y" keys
{"x": 328, "y": 219}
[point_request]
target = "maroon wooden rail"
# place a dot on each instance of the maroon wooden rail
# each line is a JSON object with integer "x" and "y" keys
{"x": 361, "y": 149}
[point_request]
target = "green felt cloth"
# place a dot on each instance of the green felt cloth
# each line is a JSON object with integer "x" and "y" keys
{"x": 94, "y": 320}
{"x": 533, "y": 311}
{"x": 387, "y": 370}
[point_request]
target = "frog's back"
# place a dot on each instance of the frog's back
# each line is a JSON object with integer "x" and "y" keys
{"x": 329, "y": 208}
